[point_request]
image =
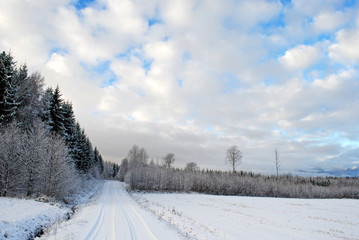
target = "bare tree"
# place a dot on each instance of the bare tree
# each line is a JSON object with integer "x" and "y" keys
{"x": 191, "y": 167}
{"x": 36, "y": 140}
{"x": 11, "y": 155}
{"x": 169, "y": 159}
{"x": 234, "y": 157}
{"x": 123, "y": 170}
{"x": 143, "y": 156}
{"x": 59, "y": 176}
{"x": 277, "y": 162}
{"x": 137, "y": 157}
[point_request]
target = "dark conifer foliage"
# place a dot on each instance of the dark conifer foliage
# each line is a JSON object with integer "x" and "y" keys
{"x": 43, "y": 150}
{"x": 69, "y": 121}
{"x": 70, "y": 131}
{"x": 111, "y": 170}
{"x": 8, "y": 101}
{"x": 98, "y": 160}
{"x": 28, "y": 93}
{"x": 57, "y": 113}
{"x": 101, "y": 164}
{"x": 45, "y": 106}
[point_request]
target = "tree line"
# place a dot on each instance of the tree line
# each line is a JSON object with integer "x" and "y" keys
{"x": 140, "y": 174}
{"x": 43, "y": 149}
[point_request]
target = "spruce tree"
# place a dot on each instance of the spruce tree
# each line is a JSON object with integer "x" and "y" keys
{"x": 89, "y": 155}
{"x": 77, "y": 152}
{"x": 57, "y": 113}
{"x": 101, "y": 163}
{"x": 8, "y": 101}
{"x": 46, "y": 106}
{"x": 96, "y": 159}
{"x": 69, "y": 126}
{"x": 83, "y": 153}
{"x": 29, "y": 92}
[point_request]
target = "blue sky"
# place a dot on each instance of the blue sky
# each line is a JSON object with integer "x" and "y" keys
{"x": 195, "y": 77}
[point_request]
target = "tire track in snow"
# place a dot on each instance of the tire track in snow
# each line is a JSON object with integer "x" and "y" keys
{"x": 117, "y": 213}
{"x": 99, "y": 221}
{"x": 114, "y": 215}
{"x": 138, "y": 228}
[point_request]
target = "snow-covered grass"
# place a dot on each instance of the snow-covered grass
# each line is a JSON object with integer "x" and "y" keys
{"x": 25, "y": 218}
{"x": 87, "y": 189}
{"x": 200, "y": 216}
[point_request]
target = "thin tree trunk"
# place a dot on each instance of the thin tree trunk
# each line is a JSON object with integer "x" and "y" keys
{"x": 30, "y": 184}
{"x": 6, "y": 186}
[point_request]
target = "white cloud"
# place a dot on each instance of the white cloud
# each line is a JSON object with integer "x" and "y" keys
{"x": 346, "y": 50}
{"x": 300, "y": 57}
{"x": 57, "y": 64}
{"x": 178, "y": 14}
{"x": 23, "y": 29}
{"x": 334, "y": 81}
{"x": 200, "y": 75}
{"x": 315, "y": 6}
{"x": 330, "y": 20}
{"x": 251, "y": 12}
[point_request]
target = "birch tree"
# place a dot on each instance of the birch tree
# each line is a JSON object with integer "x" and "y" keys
{"x": 137, "y": 157}
{"x": 169, "y": 159}
{"x": 191, "y": 167}
{"x": 36, "y": 140}
{"x": 59, "y": 174}
{"x": 11, "y": 155}
{"x": 234, "y": 157}
{"x": 277, "y": 162}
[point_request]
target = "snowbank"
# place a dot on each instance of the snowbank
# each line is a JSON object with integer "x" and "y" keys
{"x": 24, "y": 219}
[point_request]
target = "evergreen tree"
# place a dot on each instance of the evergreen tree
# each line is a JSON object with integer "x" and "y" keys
{"x": 98, "y": 160}
{"x": 101, "y": 163}
{"x": 89, "y": 155}
{"x": 46, "y": 106}
{"x": 57, "y": 113}
{"x": 83, "y": 154}
{"x": 95, "y": 156}
{"x": 78, "y": 150}
{"x": 115, "y": 169}
{"x": 8, "y": 100}
{"x": 29, "y": 91}
{"x": 69, "y": 126}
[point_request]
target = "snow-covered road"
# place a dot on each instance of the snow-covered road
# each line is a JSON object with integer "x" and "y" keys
{"x": 113, "y": 215}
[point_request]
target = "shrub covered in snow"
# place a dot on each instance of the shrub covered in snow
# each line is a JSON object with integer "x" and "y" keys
{"x": 158, "y": 178}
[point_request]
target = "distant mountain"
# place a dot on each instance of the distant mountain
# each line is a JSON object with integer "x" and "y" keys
{"x": 350, "y": 159}
{"x": 348, "y": 172}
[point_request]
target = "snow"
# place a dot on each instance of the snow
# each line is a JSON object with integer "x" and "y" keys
{"x": 24, "y": 218}
{"x": 199, "y": 216}
{"x": 21, "y": 218}
{"x": 113, "y": 214}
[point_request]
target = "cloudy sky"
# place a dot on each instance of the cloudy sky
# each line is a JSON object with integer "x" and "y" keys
{"x": 194, "y": 77}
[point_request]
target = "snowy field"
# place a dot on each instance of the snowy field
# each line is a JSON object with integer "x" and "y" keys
{"x": 115, "y": 214}
{"x": 197, "y": 216}
{"x": 21, "y": 219}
